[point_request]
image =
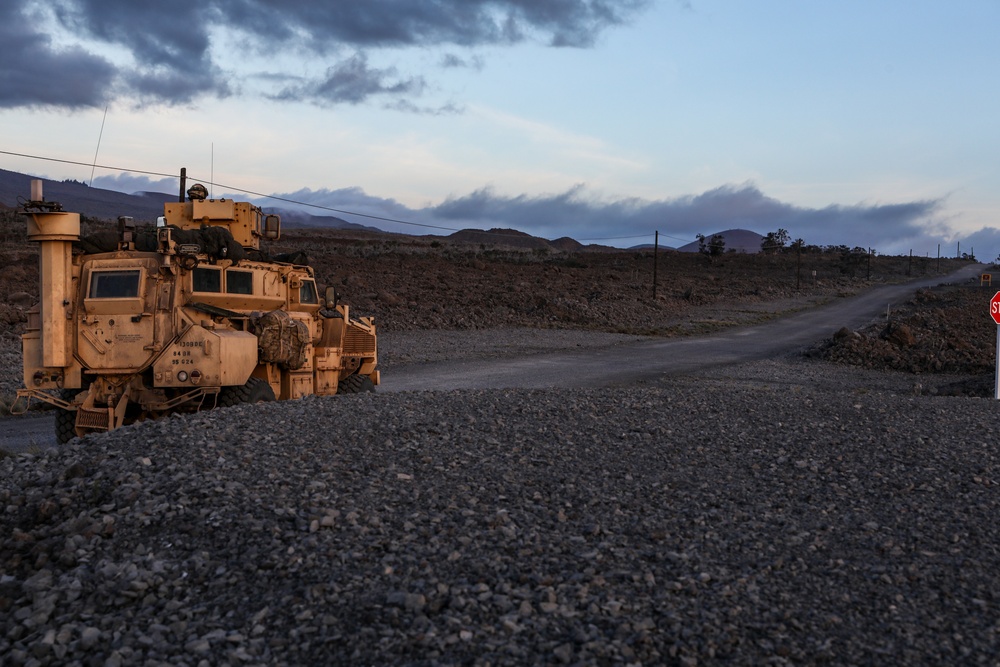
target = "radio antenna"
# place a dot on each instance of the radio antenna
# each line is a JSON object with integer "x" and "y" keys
{"x": 94, "y": 167}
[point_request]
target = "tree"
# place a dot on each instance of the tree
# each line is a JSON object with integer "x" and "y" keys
{"x": 716, "y": 245}
{"x": 713, "y": 247}
{"x": 775, "y": 241}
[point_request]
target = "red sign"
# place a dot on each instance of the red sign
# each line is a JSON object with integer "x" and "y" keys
{"x": 995, "y": 308}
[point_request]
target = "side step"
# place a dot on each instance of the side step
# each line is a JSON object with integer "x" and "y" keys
{"x": 93, "y": 420}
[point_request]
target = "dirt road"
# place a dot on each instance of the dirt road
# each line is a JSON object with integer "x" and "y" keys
{"x": 648, "y": 360}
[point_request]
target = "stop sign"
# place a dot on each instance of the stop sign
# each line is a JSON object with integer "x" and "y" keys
{"x": 995, "y": 308}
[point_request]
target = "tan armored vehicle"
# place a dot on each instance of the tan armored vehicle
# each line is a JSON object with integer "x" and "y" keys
{"x": 186, "y": 316}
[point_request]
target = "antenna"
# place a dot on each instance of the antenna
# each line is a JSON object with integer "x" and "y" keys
{"x": 91, "y": 184}
{"x": 211, "y": 195}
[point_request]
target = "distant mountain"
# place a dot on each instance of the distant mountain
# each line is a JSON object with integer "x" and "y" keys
{"x": 651, "y": 246}
{"x": 161, "y": 197}
{"x": 507, "y": 237}
{"x": 516, "y": 239}
{"x": 79, "y": 198}
{"x": 300, "y": 219}
{"x": 566, "y": 244}
{"x": 740, "y": 240}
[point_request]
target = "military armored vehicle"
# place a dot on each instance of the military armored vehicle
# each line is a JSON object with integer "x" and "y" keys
{"x": 138, "y": 323}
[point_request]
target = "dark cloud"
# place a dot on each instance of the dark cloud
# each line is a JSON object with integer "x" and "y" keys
{"x": 171, "y": 35}
{"x": 984, "y": 244}
{"x": 573, "y": 213}
{"x": 453, "y": 61}
{"x": 33, "y": 73}
{"x": 390, "y": 23}
{"x": 568, "y": 23}
{"x": 450, "y": 109}
{"x": 888, "y": 228}
{"x": 173, "y": 87}
{"x": 170, "y": 43}
{"x": 885, "y": 227}
{"x": 353, "y": 81}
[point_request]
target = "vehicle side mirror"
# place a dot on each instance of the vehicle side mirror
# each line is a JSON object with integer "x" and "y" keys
{"x": 272, "y": 227}
{"x": 330, "y": 298}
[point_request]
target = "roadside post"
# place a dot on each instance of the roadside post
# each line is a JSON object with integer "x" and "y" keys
{"x": 995, "y": 314}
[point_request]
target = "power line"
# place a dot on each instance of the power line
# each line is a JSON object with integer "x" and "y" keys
{"x": 87, "y": 164}
{"x": 616, "y": 238}
{"x": 337, "y": 210}
{"x": 286, "y": 200}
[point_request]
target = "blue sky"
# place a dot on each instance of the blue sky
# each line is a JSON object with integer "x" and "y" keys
{"x": 868, "y": 124}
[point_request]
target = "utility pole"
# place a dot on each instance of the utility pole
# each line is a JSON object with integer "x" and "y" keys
{"x": 656, "y": 260}
{"x": 798, "y": 266}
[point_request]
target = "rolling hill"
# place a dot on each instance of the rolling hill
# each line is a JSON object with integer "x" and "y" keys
{"x": 145, "y": 207}
{"x": 739, "y": 240}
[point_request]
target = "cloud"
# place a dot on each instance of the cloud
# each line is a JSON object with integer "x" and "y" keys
{"x": 984, "y": 244}
{"x": 35, "y": 73}
{"x": 132, "y": 183}
{"x": 166, "y": 52}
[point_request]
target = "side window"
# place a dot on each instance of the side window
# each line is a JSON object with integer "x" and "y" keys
{"x": 206, "y": 280}
{"x": 239, "y": 282}
{"x": 114, "y": 285}
{"x": 307, "y": 293}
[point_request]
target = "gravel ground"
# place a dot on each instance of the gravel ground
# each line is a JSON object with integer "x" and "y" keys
{"x": 787, "y": 512}
{"x": 11, "y": 368}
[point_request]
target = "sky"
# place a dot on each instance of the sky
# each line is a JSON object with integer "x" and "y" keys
{"x": 858, "y": 123}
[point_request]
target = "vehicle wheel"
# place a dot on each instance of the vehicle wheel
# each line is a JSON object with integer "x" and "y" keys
{"x": 355, "y": 384}
{"x": 256, "y": 390}
{"x": 66, "y": 419}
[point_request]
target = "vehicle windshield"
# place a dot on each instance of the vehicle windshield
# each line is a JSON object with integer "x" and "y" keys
{"x": 114, "y": 284}
{"x": 307, "y": 293}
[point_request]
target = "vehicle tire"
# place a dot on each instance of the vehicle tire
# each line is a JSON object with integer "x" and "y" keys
{"x": 355, "y": 384}
{"x": 256, "y": 390}
{"x": 66, "y": 419}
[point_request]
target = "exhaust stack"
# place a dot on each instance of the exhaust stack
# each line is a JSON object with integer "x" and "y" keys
{"x": 55, "y": 231}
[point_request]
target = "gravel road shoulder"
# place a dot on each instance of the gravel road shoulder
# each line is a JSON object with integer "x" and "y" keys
{"x": 739, "y": 521}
